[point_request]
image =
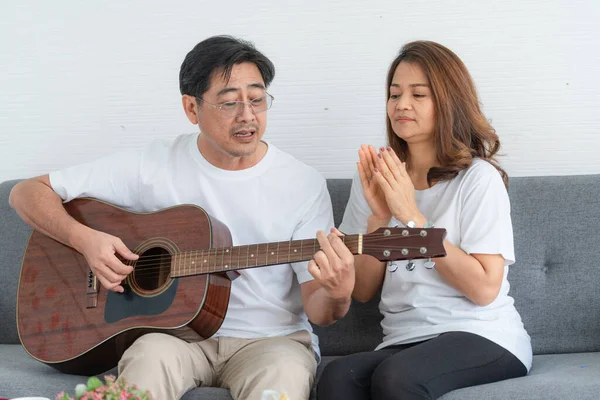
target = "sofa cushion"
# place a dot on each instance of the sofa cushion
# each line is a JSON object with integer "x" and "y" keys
{"x": 561, "y": 376}
{"x": 13, "y": 239}
{"x": 556, "y": 279}
{"x": 553, "y": 377}
{"x": 21, "y": 375}
{"x": 339, "y": 191}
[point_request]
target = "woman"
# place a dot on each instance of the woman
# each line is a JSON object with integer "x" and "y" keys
{"x": 448, "y": 323}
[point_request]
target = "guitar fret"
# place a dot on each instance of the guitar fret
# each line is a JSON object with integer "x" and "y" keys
{"x": 206, "y": 261}
{"x": 179, "y": 263}
{"x": 247, "y": 255}
{"x": 185, "y": 263}
{"x": 223, "y": 264}
{"x": 215, "y": 260}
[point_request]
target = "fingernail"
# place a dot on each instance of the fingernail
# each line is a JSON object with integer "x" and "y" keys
{"x": 382, "y": 149}
{"x": 389, "y": 148}
{"x": 376, "y": 170}
{"x": 379, "y": 155}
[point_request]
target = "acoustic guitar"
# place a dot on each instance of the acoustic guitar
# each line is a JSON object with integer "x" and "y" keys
{"x": 67, "y": 320}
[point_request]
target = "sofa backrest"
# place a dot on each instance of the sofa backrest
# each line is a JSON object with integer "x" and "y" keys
{"x": 14, "y": 234}
{"x": 555, "y": 281}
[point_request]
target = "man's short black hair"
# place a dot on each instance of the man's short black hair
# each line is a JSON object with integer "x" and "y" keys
{"x": 218, "y": 54}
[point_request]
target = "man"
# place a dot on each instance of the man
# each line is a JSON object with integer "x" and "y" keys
{"x": 261, "y": 193}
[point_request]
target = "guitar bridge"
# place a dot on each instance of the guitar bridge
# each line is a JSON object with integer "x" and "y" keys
{"x": 92, "y": 290}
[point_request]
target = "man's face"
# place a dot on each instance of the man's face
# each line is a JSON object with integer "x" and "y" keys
{"x": 235, "y": 130}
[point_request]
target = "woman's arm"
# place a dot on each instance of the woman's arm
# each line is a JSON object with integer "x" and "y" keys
{"x": 477, "y": 276}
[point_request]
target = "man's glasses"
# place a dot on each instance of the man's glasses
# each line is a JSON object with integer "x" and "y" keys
{"x": 231, "y": 109}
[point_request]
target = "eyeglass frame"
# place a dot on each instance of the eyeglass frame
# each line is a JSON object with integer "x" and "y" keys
{"x": 245, "y": 103}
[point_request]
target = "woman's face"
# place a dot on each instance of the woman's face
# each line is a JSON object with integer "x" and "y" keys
{"x": 410, "y": 105}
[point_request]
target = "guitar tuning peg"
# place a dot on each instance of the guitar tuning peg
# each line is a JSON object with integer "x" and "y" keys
{"x": 429, "y": 264}
{"x": 392, "y": 266}
{"x": 410, "y": 266}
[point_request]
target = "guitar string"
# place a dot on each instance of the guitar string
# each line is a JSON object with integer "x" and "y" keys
{"x": 366, "y": 240}
{"x": 185, "y": 271}
{"x": 153, "y": 269}
{"x": 213, "y": 252}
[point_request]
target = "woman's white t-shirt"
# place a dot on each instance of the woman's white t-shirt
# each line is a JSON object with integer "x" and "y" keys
{"x": 277, "y": 199}
{"x": 417, "y": 305}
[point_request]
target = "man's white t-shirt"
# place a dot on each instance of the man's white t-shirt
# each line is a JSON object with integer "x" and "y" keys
{"x": 417, "y": 305}
{"x": 278, "y": 199}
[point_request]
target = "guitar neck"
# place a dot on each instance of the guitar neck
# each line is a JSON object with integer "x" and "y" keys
{"x": 251, "y": 256}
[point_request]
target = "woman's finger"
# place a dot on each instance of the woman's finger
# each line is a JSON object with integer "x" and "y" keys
{"x": 384, "y": 170}
{"x": 391, "y": 164}
{"x": 362, "y": 157}
{"x": 388, "y": 191}
{"x": 401, "y": 165}
{"x": 363, "y": 177}
{"x": 372, "y": 153}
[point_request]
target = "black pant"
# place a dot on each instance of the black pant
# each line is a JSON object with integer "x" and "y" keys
{"x": 424, "y": 370}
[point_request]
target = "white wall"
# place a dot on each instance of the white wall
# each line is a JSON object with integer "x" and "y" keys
{"x": 80, "y": 79}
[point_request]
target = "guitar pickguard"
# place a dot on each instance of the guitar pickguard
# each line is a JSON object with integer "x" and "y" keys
{"x": 130, "y": 304}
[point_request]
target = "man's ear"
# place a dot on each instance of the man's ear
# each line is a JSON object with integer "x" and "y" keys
{"x": 190, "y": 107}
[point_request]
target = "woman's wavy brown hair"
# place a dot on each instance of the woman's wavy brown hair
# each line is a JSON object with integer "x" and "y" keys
{"x": 461, "y": 130}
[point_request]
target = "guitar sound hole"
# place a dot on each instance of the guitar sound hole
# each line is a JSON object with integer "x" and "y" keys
{"x": 152, "y": 268}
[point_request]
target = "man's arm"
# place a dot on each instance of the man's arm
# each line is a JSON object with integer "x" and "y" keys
{"x": 327, "y": 298}
{"x": 40, "y": 207}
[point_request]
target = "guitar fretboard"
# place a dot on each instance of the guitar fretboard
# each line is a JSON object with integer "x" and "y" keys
{"x": 250, "y": 256}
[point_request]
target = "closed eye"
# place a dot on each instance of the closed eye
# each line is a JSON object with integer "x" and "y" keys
{"x": 229, "y": 105}
{"x": 258, "y": 101}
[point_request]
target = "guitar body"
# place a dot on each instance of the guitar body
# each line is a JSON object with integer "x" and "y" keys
{"x": 68, "y": 321}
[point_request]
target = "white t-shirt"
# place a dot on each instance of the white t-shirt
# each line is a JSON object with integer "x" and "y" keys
{"x": 417, "y": 305}
{"x": 278, "y": 199}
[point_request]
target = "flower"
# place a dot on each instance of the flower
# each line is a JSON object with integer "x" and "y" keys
{"x": 114, "y": 389}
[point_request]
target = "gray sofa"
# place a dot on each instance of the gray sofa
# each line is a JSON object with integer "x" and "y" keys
{"x": 555, "y": 283}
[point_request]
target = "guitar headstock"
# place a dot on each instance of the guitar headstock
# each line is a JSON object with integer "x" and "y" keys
{"x": 390, "y": 244}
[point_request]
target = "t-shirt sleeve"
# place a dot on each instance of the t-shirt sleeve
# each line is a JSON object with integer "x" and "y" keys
{"x": 357, "y": 210}
{"x": 114, "y": 179}
{"x": 485, "y": 222}
{"x": 319, "y": 216}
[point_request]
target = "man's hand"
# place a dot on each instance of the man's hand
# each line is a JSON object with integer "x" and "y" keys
{"x": 333, "y": 266}
{"x": 100, "y": 250}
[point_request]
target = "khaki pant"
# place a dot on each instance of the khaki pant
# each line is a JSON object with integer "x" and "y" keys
{"x": 169, "y": 366}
